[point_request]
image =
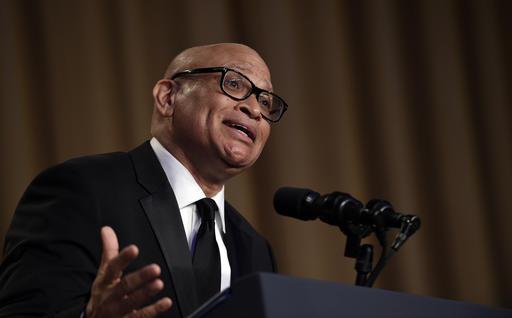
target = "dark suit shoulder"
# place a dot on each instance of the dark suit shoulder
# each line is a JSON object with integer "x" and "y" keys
{"x": 52, "y": 252}
{"x": 99, "y": 164}
{"x": 90, "y": 171}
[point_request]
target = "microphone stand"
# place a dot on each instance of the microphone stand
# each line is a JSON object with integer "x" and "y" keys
{"x": 364, "y": 264}
{"x": 381, "y": 233}
{"x": 362, "y": 253}
{"x": 366, "y": 276}
{"x": 355, "y": 221}
{"x": 409, "y": 226}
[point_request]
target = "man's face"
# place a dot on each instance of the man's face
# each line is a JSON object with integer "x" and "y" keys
{"x": 213, "y": 130}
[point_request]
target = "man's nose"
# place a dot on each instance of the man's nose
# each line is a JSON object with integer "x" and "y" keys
{"x": 250, "y": 107}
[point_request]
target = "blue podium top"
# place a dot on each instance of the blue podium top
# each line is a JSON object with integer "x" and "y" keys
{"x": 266, "y": 295}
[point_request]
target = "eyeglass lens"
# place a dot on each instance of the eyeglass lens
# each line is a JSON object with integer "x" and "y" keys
{"x": 239, "y": 87}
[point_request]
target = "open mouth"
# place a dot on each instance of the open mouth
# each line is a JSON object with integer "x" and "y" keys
{"x": 241, "y": 128}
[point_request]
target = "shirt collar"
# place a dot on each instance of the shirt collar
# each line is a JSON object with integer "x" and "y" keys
{"x": 185, "y": 187}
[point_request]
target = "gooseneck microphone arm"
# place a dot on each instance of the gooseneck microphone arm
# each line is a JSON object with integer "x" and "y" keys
{"x": 354, "y": 219}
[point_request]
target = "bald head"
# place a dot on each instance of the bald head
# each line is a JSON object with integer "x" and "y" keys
{"x": 215, "y": 55}
{"x": 214, "y": 135}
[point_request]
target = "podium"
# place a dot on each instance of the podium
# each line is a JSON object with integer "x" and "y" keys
{"x": 265, "y": 295}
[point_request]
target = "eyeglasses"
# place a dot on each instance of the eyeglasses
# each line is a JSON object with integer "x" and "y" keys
{"x": 239, "y": 87}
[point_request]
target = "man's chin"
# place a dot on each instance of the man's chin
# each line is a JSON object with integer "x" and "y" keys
{"x": 238, "y": 158}
{"x": 238, "y": 163}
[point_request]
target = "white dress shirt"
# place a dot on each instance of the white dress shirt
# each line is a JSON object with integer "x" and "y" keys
{"x": 187, "y": 192}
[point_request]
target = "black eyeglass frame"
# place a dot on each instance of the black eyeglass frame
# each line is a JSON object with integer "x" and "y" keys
{"x": 254, "y": 89}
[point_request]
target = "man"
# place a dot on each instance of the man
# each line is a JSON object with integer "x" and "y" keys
{"x": 211, "y": 120}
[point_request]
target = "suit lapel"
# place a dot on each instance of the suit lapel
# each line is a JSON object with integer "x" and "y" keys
{"x": 229, "y": 241}
{"x": 238, "y": 244}
{"x": 163, "y": 214}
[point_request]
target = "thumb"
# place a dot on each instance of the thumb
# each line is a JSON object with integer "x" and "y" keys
{"x": 109, "y": 243}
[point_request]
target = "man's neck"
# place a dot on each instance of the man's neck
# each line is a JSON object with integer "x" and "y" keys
{"x": 210, "y": 185}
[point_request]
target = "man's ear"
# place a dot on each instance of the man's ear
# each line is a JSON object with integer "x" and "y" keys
{"x": 164, "y": 93}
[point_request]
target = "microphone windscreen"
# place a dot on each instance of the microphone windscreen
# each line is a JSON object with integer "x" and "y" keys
{"x": 295, "y": 202}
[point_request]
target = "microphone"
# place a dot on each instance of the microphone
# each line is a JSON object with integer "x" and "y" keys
{"x": 355, "y": 220}
{"x": 343, "y": 210}
{"x": 336, "y": 208}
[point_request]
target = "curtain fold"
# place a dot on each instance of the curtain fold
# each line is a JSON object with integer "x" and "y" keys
{"x": 409, "y": 101}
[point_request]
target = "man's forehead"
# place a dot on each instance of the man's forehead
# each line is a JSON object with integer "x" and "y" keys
{"x": 233, "y": 55}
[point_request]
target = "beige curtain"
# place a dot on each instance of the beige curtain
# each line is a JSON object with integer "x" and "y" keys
{"x": 404, "y": 100}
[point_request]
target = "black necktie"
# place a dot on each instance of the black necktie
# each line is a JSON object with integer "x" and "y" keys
{"x": 206, "y": 259}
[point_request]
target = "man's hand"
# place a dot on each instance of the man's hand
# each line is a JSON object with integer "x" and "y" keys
{"x": 115, "y": 295}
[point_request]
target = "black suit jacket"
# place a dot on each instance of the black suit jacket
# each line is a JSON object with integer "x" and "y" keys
{"x": 53, "y": 247}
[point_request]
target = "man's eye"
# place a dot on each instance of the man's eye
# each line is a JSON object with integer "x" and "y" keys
{"x": 265, "y": 103}
{"x": 233, "y": 83}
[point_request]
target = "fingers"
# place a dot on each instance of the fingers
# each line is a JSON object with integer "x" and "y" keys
{"x": 114, "y": 295}
{"x": 112, "y": 262}
{"x": 153, "y": 310}
{"x": 136, "y": 280}
{"x": 138, "y": 298}
{"x": 136, "y": 289}
{"x": 114, "y": 268}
